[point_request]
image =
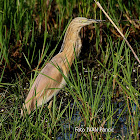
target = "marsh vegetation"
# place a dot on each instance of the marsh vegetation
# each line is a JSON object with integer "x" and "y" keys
{"x": 103, "y": 89}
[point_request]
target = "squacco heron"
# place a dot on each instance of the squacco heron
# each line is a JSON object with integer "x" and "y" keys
{"x": 51, "y": 78}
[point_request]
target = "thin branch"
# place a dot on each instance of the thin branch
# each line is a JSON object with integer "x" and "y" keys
{"x": 99, "y": 5}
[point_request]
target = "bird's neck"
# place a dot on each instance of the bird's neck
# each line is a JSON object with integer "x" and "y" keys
{"x": 71, "y": 48}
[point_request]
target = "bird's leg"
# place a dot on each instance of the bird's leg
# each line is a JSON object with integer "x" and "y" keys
{"x": 49, "y": 107}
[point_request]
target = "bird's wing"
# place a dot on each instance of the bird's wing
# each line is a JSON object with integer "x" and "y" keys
{"x": 47, "y": 83}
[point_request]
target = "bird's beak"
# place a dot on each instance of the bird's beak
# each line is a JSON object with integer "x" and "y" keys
{"x": 95, "y": 21}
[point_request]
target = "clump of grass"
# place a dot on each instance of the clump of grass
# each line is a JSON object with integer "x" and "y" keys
{"x": 30, "y": 35}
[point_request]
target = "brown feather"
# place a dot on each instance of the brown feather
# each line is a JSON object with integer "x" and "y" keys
{"x": 50, "y": 80}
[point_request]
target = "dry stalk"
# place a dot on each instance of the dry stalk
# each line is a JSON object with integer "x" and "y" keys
{"x": 99, "y": 5}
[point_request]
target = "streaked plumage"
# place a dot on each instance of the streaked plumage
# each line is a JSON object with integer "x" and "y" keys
{"x": 50, "y": 80}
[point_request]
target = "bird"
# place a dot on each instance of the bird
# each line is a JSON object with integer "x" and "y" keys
{"x": 51, "y": 78}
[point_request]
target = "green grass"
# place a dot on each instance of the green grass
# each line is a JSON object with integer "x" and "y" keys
{"x": 103, "y": 87}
